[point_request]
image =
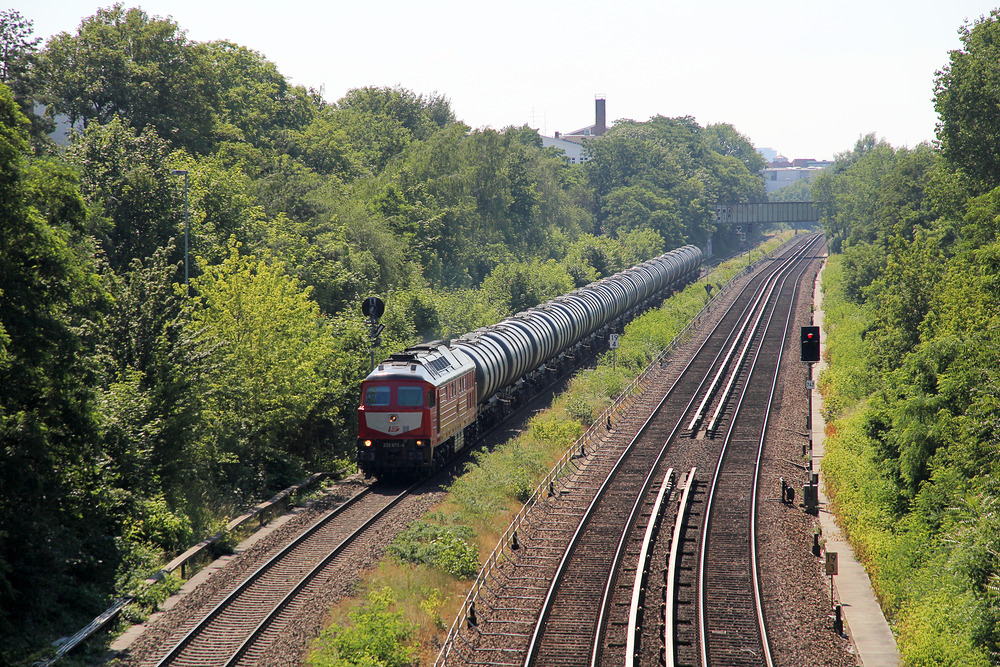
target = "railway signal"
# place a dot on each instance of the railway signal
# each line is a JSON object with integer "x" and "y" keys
{"x": 376, "y": 335}
{"x": 810, "y": 344}
{"x": 373, "y": 308}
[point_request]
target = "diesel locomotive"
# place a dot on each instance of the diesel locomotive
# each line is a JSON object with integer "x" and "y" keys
{"x": 421, "y": 406}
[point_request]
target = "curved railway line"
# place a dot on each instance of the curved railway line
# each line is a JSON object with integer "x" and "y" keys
{"x": 571, "y": 587}
{"x": 567, "y": 595}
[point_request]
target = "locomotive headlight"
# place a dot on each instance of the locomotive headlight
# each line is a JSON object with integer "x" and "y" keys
{"x": 368, "y": 443}
{"x": 420, "y": 443}
{"x": 393, "y": 418}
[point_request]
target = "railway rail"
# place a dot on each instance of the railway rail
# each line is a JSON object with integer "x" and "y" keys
{"x": 242, "y": 625}
{"x": 564, "y": 591}
{"x": 248, "y": 620}
{"x": 239, "y": 623}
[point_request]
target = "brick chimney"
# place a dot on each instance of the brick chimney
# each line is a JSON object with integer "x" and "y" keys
{"x": 601, "y": 122}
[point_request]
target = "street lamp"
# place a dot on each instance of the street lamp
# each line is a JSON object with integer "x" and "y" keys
{"x": 184, "y": 173}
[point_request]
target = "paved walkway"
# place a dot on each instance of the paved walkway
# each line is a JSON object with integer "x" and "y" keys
{"x": 863, "y": 618}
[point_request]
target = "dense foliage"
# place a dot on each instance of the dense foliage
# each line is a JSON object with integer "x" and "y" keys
{"x": 912, "y": 307}
{"x": 140, "y": 409}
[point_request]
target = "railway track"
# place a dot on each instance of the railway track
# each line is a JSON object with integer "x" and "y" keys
{"x": 245, "y": 624}
{"x": 251, "y": 615}
{"x": 580, "y": 589}
{"x": 246, "y": 621}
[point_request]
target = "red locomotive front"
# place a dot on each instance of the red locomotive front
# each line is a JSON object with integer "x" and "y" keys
{"x": 415, "y": 407}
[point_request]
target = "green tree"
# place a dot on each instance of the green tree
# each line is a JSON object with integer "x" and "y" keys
{"x": 19, "y": 71}
{"x": 323, "y": 146}
{"x": 796, "y": 191}
{"x": 123, "y": 62}
{"x": 521, "y": 286}
{"x": 149, "y": 386}
{"x": 55, "y": 513}
{"x": 666, "y": 174}
{"x": 637, "y": 207}
{"x": 222, "y": 204}
{"x": 594, "y": 257}
{"x": 271, "y": 351}
{"x": 725, "y": 140}
{"x": 380, "y": 122}
{"x": 966, "y": 96}
{"x": 17, "y": 49}
{"x": 257, "y": 103}
{"x": 876, "y": 192}
{"x": 127, "y": 180}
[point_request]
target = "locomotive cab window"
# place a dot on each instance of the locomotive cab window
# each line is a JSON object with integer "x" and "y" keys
{"x": 377, "y": 395}
{"x": 430, "y": 398}
{"x": 410, "y": 397}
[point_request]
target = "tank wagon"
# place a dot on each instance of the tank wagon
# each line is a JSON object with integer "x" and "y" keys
{"x": 421, "y": 406}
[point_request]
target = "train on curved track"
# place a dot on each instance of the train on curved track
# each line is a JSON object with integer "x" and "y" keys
{"x": 423, "y": 405}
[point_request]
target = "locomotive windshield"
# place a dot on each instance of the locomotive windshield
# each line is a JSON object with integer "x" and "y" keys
{"x": 377, "y": 395}
{"x": 380, "y": 395}
{"x": 410, "y": 397}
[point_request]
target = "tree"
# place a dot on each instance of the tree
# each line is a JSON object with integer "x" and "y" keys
{"x": 18, "y": 70}
{"x": 966, "y": 97}
{"x": 17, "y": 48}
{"x": 127, "y": 180}
{"x": 257, "y": 102}
{"x": 221, "y": 204}
{"x": 724, "y": 139}
{"x": 126, "y": 63}
{"x": 380, "y": 122}
{"x": 271, "y": 351}
{"x": 592, "y": 257}
{"x": 149, "y": 386}
{"x": 666, "y": 173}
{"x": 55, "y": 556}
{"x": 524, "y": 285}
{"x": 637, "y": 207}
{"x": 876, "y": 192}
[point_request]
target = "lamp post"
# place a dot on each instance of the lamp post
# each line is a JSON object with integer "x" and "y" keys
{"x": 184, "y": 173}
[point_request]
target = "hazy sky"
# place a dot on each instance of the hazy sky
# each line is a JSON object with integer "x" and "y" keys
{"x": 801, "y": 76}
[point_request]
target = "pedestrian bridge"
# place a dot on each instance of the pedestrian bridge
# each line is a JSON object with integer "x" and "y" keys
{"x": 786, "y": 211}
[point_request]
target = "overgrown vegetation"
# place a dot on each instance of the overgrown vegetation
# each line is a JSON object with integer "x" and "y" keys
{"x": 912, "y": 305}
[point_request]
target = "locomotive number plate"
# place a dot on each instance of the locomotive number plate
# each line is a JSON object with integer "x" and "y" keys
{"x": 392, "y": 445}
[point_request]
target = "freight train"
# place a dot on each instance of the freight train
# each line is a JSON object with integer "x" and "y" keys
{"x": 423, "y": 405}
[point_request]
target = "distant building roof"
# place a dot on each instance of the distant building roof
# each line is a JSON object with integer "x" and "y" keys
{"x": 573, "y": 150}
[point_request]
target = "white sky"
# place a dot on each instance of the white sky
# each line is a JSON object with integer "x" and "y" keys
{"x": 804, "y": 77}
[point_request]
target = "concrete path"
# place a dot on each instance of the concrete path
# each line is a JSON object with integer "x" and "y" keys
{"x": 863, "y": 618}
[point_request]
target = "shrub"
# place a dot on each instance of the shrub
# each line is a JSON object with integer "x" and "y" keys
{"x": 444, "y": 547}
{"x": 377, "y": 637}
